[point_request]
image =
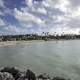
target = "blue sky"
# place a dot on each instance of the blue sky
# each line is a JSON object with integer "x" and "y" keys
{"x": 37, "y": 16}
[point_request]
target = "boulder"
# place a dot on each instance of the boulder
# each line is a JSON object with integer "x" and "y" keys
{"x": 44, "y": 76}
{"x": 59, "y": 78}
{"x": 30, "y": 75}
{"x": 11, "y": 70}
{"x": 20, "y": 76}
{"x": 6, "y": 76}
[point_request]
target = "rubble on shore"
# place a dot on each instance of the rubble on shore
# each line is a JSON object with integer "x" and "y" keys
{"x": 11, "y": 73}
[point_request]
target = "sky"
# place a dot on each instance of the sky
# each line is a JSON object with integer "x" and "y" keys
{"x": 37, "y": 16}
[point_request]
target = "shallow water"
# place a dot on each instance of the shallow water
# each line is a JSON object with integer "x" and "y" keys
{"x": 54, "y": 57}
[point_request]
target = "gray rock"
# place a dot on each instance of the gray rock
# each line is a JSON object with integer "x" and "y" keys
{"x": 20, "y": 76}
{"x": 44, "y": 76}
{"x": 11, "y": 70}
{"x": 30, "y": 75}
{"x": 6, "y": 76}
{"x": 59, "y": 78}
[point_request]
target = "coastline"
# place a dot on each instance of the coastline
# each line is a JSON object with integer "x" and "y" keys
{"x": 8, "y": 43}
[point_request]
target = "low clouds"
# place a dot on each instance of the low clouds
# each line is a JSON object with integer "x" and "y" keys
{"x": 1, "y": 3}
{"x": 26, "y": 17}
{"x": 41, "y": 15}
{"x": 2, "y": 23}
{"x": 75, "y": 3}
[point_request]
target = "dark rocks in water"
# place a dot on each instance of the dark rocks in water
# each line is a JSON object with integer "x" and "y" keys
{"x": 11, "y": 73}
{"x": 6, "y": 76}
{"x": 20, "y": 76}
{"x": 30, "y": 75}
{"x": 44, "y": 77}
{"x": 59, "y": 78}
{"x": 11, "y": 70}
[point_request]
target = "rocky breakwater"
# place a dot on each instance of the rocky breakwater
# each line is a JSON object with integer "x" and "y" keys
{"x": 12, "y": 73}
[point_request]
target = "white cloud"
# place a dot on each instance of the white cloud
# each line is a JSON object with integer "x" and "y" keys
{"x": 46, "y": 4}
{"x": 11, "y": 29}
{"x": 76, "y": 13}
{"x": 2, "y": 23}
{"x": 75, "y": 3}
{"x": 29, "y": 2}
{"x": 1, "y": 3}
{"x": 25, "y": 17}
{"x": 51, "y": 15}
{"x": 1, "y": 13}
{"x": 42, "y": 10}
{"x": 63, "y": 5}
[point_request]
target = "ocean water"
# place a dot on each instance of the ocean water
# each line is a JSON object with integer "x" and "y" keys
{"x": 60, "y": 58}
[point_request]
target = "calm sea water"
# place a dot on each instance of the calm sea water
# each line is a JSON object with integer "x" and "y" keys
{"x": 54, "y": 57}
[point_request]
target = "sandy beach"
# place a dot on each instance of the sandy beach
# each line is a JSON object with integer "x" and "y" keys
{"x": 8, "y": 43}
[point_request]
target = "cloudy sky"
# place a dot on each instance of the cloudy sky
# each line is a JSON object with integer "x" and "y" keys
{"x": 36, "y": 16}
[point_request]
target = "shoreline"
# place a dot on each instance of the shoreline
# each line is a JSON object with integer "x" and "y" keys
{"x": 8, "y": 43}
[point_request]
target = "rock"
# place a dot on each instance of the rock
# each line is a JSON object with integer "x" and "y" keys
{"x": 6, "y": 76}
{"x": 11, "y": 70}
{"x": 12, "y": 73}
{"x": 44, "y": 76}
{"x": 20, "y": 76}
{"x": 59, "y": 78}
{"x": 30, "y": 75}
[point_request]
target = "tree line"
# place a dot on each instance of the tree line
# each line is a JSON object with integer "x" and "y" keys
{"x": 44, "y": 36}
